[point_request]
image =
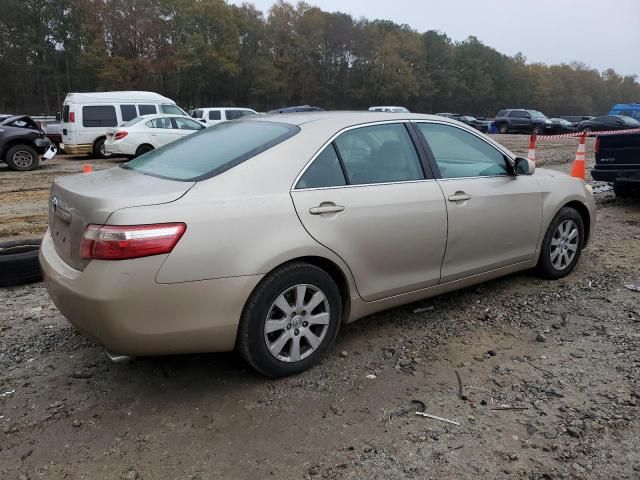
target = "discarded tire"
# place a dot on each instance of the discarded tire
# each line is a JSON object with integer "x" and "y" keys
{"x": 19, "y": 262}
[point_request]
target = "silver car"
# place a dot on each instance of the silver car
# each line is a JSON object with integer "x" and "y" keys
{"x": 265, "y": 234}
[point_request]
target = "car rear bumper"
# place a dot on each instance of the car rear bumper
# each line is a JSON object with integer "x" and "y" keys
{"x": 82, "y": 149}
{"x": 616, "y": 175}
{"x": 120, "y": 304}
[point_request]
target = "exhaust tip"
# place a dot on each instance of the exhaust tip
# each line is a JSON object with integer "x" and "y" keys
{"x": 117, "y": 358}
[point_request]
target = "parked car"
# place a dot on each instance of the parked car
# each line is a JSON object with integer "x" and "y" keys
{"x": 389, "y": 109}
{"x": 482, "y": 125}
{"x": 560, "y": 125}
{"x": 53, "y": 132}
{"x": 627, "y": 109}
{"x": 143, "y": 134}
{"x": 213, "y": 116}
{"x": 22, "y": 143}
{"x": 302, "y": 108}
{"x": 608, "y": 122}
{"x": 618, "y": 162}
{"x": 87, "y": 116}
{"x": 250, "y": 235}
{"x": 576, "y": 119}
{"x": 522, "y": 121}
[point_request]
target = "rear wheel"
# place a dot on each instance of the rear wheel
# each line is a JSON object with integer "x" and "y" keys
{"x": 290, "y": 320}
{"x": 503, "y": 128}
{"x": 22, "y": 158}
{"x": 562, "y": 244}
{"x": 99, "y": 149}
{"x": 142, "y": 149}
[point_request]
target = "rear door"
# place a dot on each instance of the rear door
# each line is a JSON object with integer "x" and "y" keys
{"x": 162, "y": 131}
{"x": 494, "y": 216}
{"x": 368, "y": 198}
{"x": 520, "y": 120}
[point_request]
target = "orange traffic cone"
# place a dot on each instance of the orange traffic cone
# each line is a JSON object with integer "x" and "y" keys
{"x": 579, "y": 169}
{"x": 87, "y": 168}
{"x": 532, "y": 148}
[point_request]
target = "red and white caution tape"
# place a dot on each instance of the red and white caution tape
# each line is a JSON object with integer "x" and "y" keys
{"x": 588, "y": 134}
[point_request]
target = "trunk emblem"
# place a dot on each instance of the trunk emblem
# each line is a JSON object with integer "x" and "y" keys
{"x": 54, "y": 203}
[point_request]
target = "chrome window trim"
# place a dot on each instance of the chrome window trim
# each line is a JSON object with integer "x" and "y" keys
{"x": 336, "y": 135}
{"x": 360, "y": 185}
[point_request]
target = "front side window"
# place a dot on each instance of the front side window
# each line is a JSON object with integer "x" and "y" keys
{"x": 235, "y": 114}
{"x": 147, "y": 109}
{"x": 171, "y": 109}
{"x": 215, "y": 115}
{"x": 128, "y": 112}
{"x": 379, "y": 154}
{"x": 187, "y": 124}
{"x": 99, "y": 116}
{"x": 325, "y": 171}
{"x": 211, "y": 151}
{"x": 459, "y": 153}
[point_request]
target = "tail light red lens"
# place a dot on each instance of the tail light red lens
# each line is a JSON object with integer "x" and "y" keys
{"x": 597, "y": 144}
{"x": 121, "y": 134}
{"x": 72, "y": 117}
{"x": 121, "y": 242}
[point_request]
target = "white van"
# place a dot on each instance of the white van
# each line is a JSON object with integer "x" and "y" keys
{"x": 212, "y": 116}
{"x": 86, "y": 117}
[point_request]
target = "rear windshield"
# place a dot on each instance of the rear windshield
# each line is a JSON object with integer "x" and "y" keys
{"x": 133, "y": 121}
{"x": 212, "y": 151}
{"x": 629, "y": 120}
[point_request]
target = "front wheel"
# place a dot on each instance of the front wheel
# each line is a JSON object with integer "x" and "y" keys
{"x": 290, "y": 320}
{"x": 562, "y": 244}
{"x": 22, "y": 158}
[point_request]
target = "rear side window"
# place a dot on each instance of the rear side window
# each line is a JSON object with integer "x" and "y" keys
{"x": 519, "y": 114}
{"x": 159, "y": 123}
{"x": 379, "y": 154}
{"x": 325, "y": 171}
{"x": 128, "y": 112}
{"x": 215, "y": 115}
{"x": 211, "y": 151}
{"x": 99, "y": 116}
{"x": 147, "y": 109}
{"x": 65, "y": 113}
{"x": 235, "y": 114}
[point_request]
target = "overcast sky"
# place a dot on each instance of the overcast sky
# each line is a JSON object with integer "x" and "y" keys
{"x": 600, "y": 33}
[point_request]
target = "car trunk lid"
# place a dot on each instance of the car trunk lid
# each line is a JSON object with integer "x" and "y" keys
{"x": 76, "y": 201}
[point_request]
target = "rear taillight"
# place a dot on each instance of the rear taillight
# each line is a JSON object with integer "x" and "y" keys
{"x": 120, "y": 242}
{"x": 597, "y": 144}
{"x": 121, "y": 134}
{"x": 72, "y": 117}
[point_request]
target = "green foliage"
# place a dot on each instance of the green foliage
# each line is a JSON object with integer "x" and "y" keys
{"x": 207, "y": 52}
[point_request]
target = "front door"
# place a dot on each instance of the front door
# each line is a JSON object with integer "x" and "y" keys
{"x": 495, "y": 217}
{"x": 366, "y": 198}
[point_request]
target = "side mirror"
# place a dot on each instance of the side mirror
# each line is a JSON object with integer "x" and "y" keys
{"x": 524, "y": 166}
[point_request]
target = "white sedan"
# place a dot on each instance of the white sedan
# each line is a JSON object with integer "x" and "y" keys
{"x": 143, "y": 134}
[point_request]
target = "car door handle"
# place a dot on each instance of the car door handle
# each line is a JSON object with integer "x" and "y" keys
{"x": 326, "y": 208}
{"x": 459, "y": 197}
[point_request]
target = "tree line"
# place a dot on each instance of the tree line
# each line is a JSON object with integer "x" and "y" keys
{"x": 210, "y": 53}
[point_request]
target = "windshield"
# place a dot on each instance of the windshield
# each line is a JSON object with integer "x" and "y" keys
{"x": 629, "y": 120}
{"x": 212, "y": 151}
{"x": 172, "y": 110}
{"x": 536, "y": 114}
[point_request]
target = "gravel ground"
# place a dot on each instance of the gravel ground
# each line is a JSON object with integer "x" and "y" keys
{"x": 549, "y": 370}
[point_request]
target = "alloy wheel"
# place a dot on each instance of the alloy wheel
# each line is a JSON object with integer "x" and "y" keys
{"x": 297, "y": 323}
{"x": 564, "y": 244}
{"x": 22, "y": 159}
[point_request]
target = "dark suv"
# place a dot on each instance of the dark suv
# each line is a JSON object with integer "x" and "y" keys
{"x": 21, "y": 142}
{"x": 516, "y": 120}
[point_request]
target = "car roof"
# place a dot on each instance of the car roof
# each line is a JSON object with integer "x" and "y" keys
{"x": 116, "y": 97}
{"x": 225, "y": 108}
{"x": 344, "y": 119}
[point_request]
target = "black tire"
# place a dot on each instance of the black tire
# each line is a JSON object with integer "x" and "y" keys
{"x": 545, "y": 267}
{"x": 251, "y": 342}
{"x": 625, "y": 190}
{"x": 99, "y": 150}
{"x": 142, "y": 149}
{"x": 22, "y": 158}
{"x": 19, "y": 262}
{"x": 503, "y": 128}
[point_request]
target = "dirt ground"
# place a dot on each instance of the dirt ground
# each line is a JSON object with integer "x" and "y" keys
{"x": 550, "y": 373}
